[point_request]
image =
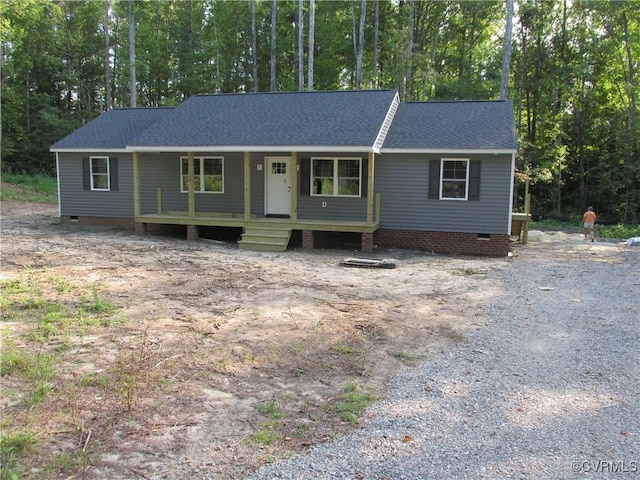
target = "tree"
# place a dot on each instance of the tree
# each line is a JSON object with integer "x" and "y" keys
{"x": 107, "y": 58}
{"x": 132, "y": 56}
{"x": 358, "y": 39}
{"x": 274, "y": 33}
{"x": 506, "y": 59}
{"x": 300, "y": 45}
{"x": 312, "y": 29}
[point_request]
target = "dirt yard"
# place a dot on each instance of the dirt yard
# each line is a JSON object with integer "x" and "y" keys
{"x": 175, "y": 359}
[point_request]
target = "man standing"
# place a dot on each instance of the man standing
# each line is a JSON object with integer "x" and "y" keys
{"x": 588, "y": 221}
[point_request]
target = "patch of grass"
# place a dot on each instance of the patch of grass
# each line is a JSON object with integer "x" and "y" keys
{"x": 68, "y": 462}
{"x": 618, "y": 231}
{"x": 469, "y": 272}
{"x": 15, "y": 361}
{"x": 96, "y": 304}
{"x": 17, "y": 285}
{"x": 63, "y": 285}
{"x": 128, "y": 378}
{"x": 12, "y": 445}
{"x": 30, "y": 188}
{"x": 403, "y": 355}
{"x": 270, "y": 409}
{"x": 352, "y": 403}
{"x": 12, "y": 360}
{"x": 94, "y": 380}
{"x": 346, "y": 349}
{"x": 265, "y": 435}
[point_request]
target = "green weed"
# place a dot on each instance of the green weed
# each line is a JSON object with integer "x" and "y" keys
{"x": 403, "y": 355}
{"x": 469, "y": 272}
{"x": 346, "y": 349}
{"x": 126, "y": 379}
{"x": 12, "y": 445}
{"x": 270, "y": 409}
{"x": 352, "y": 403}
{"x": 96, "y": 304}
{"x": 265, "y": 435}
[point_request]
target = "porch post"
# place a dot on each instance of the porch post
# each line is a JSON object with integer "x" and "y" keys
{"x": 136, "y": 185}
{"x": 294, "y": 186}
{"x": 191, "y": 182}
{"x": 247, "y": 186}
{"x": 370, "y": 193}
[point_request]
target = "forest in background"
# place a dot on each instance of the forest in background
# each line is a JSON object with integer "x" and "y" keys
{"x": 571, "y": 66}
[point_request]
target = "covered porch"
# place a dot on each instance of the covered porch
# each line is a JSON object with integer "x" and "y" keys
{"x": 260, "y": 231}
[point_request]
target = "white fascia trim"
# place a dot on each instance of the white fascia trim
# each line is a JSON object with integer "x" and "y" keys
{"x": 386, "y": 124}
{"x": 89, "y": 150}
{"x": 253, "y": 148}
{"x": 442, "y": 151}
{"x": 58, "y": 185}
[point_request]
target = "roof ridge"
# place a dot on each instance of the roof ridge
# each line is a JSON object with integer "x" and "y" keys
{"x": 291, "y": 92}
{"x": 119, "y": 109}
{"x": 459, "y": 101}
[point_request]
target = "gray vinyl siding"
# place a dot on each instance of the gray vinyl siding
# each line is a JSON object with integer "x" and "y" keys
{"x": 402, "y": 181}
{"x": 257, "y": 183}
{"x": 76, "y": 201}
{"x": 337, "y": 208}
{"x": 163, "y": 171}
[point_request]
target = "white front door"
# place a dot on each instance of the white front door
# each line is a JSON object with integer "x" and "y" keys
{"x": 278, "y": 186}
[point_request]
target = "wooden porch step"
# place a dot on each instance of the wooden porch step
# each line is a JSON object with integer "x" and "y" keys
{"x": 267, "y": 238}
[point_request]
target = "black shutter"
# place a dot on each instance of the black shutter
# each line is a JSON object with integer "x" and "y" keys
{"x": 474, "y": 180}
{"x": 305, "y": 176}
{"x": 434, "y": 179}
{"x": 86, "y": 174}
{"x": 364, "y": 182}
{"x": 113, "y": 173}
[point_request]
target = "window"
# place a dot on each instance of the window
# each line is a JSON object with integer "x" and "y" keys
{"x": 279, "y": 168}
{"x": 208, "y": 174}
{"x": 336, "y": 176}
{"x": 454, "y": 179}
{"x": 99, "y": 173}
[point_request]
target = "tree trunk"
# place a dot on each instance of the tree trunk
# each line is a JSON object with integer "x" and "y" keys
{"x": 300, "y": 45}
{"x": 132, "y": 55}
{"x": 254, "y": 47}
{"x": 363, "y": 14}
{"x": 107, "y": 58}
{"x": 358, "y": 39}
{"x": 376, "y": 39}
{"x": 312, "y": 29}
{"x": 506, "y": 58}
{"x": 409, "y": 76}
{"x": 274, "y": 30}
{"x": 632, "y": 205}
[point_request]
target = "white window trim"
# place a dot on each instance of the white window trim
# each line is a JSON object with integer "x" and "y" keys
{"x": 335, "y": 177}
{"x": 466, "y": 184}
{"x": 201, "y": 176}
{"x": 108, "y": 174}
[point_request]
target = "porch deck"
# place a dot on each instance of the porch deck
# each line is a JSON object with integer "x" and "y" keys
{"x": 239, "y": 220}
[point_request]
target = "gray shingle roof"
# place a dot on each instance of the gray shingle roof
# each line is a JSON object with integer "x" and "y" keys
{"x": 338, "y": 118}
{"x": 454, "y": 125}
{"x": 113, "y": 129}
{"x": 297, "y": 119}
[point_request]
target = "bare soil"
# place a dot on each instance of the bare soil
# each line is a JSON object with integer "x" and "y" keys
{"x": 211, "y": 360}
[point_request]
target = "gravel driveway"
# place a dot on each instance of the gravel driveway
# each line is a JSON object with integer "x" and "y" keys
{"x": 548, "y": 389}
